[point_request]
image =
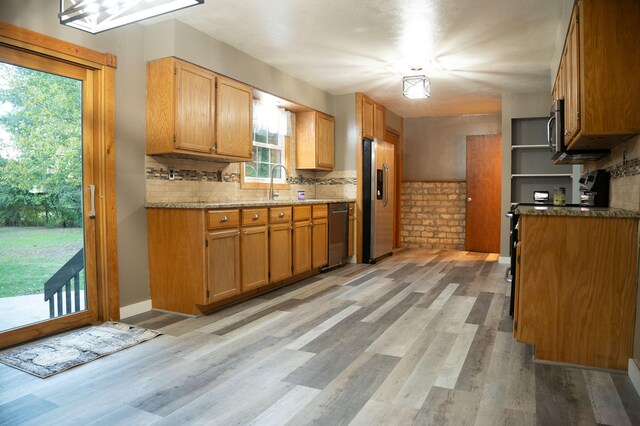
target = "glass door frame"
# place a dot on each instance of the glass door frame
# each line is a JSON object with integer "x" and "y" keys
{"x": 97, "y": 71}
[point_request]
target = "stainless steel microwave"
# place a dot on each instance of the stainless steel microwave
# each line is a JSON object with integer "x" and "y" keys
{"x": 555, "y": 137}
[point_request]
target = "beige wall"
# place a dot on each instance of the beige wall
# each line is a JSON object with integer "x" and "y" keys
{"x": 133, "y": 45}
{"x": 435, "y": 147}
{"x": 346, "y": 136}
{"x": 174, "y": 38}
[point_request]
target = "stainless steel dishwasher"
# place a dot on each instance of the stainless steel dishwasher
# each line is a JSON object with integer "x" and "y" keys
{"x": 338, "y": 234}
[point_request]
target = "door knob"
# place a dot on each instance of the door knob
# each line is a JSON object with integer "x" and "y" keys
{"x": 469, "y": 200}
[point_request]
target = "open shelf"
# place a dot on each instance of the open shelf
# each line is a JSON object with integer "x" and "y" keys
{"x": 540, "y": 175}
{"x": 530, "y": 147}
{"x": 531, "y": 165}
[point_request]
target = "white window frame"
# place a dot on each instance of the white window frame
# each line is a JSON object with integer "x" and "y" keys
{"x": 281, "y": 146}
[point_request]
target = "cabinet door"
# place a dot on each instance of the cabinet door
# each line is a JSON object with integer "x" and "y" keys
{"x": 516, "y": 283}
{"x": 352, "y": 222}
{"x": 255, "y": 257}
{"x": 301, "y": 247}
{"x": 195, "y": 108}
{"x": 223, "y": 265}
{"x": 320, "y": 239}
{"x": 571, "y": 67}
{"x": 368, "y": 113}
{"x": 234, "y": 125}
{"x": 280, "y": 251}
{"x": 378, "y": 122}
{"x": 324, "y": 141}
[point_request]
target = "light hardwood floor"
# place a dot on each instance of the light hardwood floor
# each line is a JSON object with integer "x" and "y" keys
{"x": 422, "y": 337}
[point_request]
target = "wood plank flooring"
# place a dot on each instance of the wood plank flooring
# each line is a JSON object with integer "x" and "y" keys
{"x": 422, "y": 337}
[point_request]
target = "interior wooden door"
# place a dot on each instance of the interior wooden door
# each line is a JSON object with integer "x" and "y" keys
{"x": 484, "y": 184}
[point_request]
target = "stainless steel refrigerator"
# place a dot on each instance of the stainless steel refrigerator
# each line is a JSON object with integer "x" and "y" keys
{"x": 377, "y": 199}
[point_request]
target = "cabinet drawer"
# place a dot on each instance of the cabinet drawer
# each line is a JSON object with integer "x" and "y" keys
{"x": 220, "y": 219}
{"x": 320, "y": 211}
{"x": 280, "y": 214}
{"x": 252, "y": 217}
{"x": 301, "y": 213}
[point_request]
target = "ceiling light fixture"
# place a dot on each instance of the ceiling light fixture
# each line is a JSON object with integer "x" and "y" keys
{"x": 95, "y": 16}
{"x": 416, "y": 87}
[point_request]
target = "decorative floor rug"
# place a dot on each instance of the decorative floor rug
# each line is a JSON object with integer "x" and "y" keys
{"x": 58, "y": 354}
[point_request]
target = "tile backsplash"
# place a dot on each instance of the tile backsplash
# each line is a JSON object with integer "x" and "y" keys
{"x": 624, "y": 165}
{"x": 207, "y": 181}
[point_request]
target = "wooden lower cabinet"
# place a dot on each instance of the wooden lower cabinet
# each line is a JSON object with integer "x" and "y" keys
{"x": 280, "y": 251}
{"x": 223, "y": 265}
{"x": 576, "y": 283}
{"x": 255, "y": 257}
{"x": 201, "y": 259}
{"x": 320, "y": 242}
{"x": 301, "y": 247}
{"x": 352, "y": 223}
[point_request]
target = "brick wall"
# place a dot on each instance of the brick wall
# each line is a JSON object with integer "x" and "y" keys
{"x": 433, "y": 214}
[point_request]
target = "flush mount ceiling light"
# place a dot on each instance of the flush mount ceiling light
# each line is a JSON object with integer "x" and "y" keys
{"x": 95, "y": 16}
{"x": 416, "y": 87}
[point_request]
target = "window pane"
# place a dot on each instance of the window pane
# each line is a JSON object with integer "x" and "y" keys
{"x": 263, "y": 170}
{"x": 250, "y": 169}
{"x": 260, "y": 135}
{"x": 264, "y": 155}
{"x": 276, "y": 156}
{"x": 273, "y": 139}
{"x": 277, "y": 173}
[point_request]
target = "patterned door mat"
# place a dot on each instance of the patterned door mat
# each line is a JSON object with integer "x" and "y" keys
{"x": 57, "y": 354}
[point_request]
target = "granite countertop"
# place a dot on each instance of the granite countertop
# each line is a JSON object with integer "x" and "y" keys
{"x": 246, "y": 203}
{"x": 576, "y": 211}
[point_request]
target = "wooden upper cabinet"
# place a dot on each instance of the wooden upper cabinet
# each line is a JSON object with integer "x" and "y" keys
{"x": 192, "y": 111}
{"x": 378, "y": 122}
{"x": 314, "y": 141}
{"x": 598, "y": 74}
{"x": 368, "y": 117}
{"x": 234, "y": 125}
{"x": 571, "y": 78}
{"x": 373, "y": 119}
{"x": 195, "y": 108}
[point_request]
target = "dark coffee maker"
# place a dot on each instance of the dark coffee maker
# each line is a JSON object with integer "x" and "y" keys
{"x": 594, "y": 188}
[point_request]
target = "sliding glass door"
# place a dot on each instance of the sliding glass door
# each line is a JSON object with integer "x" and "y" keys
{"x": 47, "y": 212}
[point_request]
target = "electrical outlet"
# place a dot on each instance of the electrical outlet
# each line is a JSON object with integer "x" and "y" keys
{"x": 171, "y": 173}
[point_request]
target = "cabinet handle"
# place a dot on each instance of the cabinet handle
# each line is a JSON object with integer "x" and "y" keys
{"x": 256, "y": 216}
{"x": 291, "y": 228}
{"x": 224, "y": 219}
{"x": 567, "y": 133}
{"x": 213, "y": 149}
{"x": 246, "y": 232}
{"x": 238, "y": 233}
{"x": 281, "y": 214}
{"x": 310, "y": 223}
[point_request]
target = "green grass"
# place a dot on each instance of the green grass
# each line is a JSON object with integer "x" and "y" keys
{"x": 29, "y": 256}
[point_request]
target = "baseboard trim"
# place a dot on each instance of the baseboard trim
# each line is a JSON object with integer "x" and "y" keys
{"x": 504, "y": 259}
{"x": 634, "y": 374}
{"x": 135, "y": 309}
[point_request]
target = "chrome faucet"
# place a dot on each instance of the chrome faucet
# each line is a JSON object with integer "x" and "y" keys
{"x": 273, "y": 195}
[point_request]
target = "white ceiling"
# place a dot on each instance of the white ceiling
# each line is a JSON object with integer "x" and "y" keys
{"x": 472, "y": 50}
